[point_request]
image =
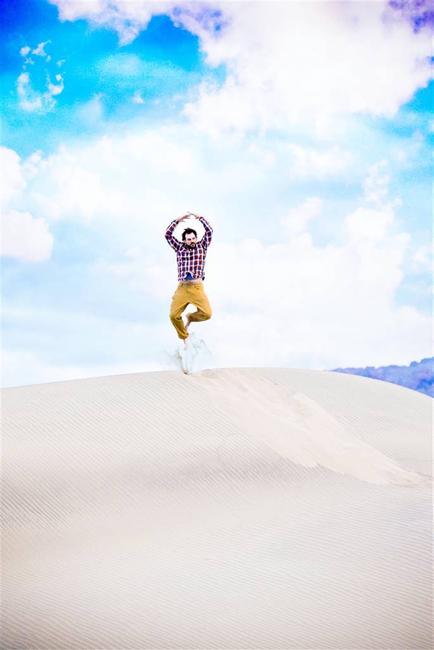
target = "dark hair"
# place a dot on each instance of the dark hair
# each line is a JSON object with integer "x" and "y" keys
{"x": 187, "y": 231}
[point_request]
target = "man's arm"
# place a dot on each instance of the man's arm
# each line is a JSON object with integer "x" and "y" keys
{"x": 206, "y": 239}
{"x": 171, "y": 240}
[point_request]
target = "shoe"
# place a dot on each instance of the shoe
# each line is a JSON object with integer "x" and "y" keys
{"x": 181, "y": 353}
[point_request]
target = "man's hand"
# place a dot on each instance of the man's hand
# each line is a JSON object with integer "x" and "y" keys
{"x": 186, "y": 216}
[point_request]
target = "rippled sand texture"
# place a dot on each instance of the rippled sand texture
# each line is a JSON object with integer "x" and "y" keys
{"x": 230, "y": 509}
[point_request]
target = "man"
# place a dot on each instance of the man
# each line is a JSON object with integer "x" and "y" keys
{"x": 190, "y": 256}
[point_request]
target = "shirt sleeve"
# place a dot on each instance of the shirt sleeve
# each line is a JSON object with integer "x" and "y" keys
{"x": 171, "y": 240}
{"x": 206, "y": 239}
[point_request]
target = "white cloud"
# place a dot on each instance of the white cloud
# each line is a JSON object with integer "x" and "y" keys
{"x": 304, "y": 63}
{"x": 308, "y": 162}
{"x": 297, "y": 219}
{"x": 116, "y": 180}
{"x": 55, "y": 88}
{"x": 38, "y": 370}
{"x": 91, "y": 112}
{"x": 12, "y": 178}
{"x": 40, "y": 50}
{"x": 127, "y": 18}
{"x": 29, "y": 98}
{"x": 53, "y": 344}
{"x": 306, "y": 305}
{"x": 137, "y": 98}
{"x": 367, "y": 224}
{"x": 423, "y": 258}
{"x": 23, "y": 236}
{"x": 376, "y": 184}
{"x": 32, "y": 100}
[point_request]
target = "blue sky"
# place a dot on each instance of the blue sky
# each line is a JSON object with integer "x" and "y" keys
{"x": 162, "y": 62}
{"x": 301, "y": 130}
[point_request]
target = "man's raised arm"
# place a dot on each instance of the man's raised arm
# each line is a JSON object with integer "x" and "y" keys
{"x": 206, "y": 239}
{"x": 171, "y": 240}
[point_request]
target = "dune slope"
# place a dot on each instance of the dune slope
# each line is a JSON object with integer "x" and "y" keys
{"x": 233, "y": 508}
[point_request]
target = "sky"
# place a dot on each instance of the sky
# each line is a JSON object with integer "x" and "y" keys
{"x": 300, "y": 130}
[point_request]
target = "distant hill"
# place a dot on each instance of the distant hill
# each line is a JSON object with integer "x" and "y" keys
{"x": 419, "y": 375}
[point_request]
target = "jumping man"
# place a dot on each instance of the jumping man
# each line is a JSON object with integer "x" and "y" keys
{"x": 190, "y": 255}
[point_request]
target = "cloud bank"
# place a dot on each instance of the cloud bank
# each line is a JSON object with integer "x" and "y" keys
{"x": 287, "y": 63}
{"x": 283, "y": 299}
{"x": 23, "y": 236}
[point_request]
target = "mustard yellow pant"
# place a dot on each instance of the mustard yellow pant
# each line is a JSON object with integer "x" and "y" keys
{"x": 189, "y": 293}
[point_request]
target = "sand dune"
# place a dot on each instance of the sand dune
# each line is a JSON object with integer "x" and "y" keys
{"x": 229, "y": 509}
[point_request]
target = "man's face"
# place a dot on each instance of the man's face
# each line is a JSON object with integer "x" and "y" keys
{"x": 190, "y": 240}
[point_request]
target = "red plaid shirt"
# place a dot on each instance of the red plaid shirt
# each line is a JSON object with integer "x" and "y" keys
{"x": 190, "y": 259}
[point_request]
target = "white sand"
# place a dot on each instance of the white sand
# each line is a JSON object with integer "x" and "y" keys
{"x": 243, "y": 508}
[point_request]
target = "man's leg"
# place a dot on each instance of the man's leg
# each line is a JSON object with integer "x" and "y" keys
{"x": 198, "y": 298}
{"x": 179, "y": 303}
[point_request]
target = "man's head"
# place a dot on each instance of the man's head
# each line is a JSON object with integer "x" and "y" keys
{"x": 189, "y": 237}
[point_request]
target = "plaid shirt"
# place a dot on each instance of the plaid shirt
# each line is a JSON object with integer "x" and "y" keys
{"x": 190, "y": 259}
